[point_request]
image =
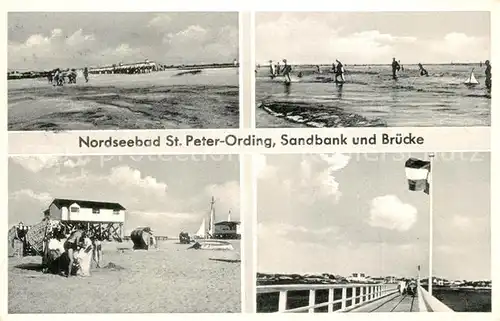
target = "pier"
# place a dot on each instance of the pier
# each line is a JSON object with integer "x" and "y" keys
{"x": 337, "y": 298}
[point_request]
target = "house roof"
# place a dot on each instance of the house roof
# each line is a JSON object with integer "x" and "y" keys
{"x": 61, "y": 202}
{"x": 227, "y": 223}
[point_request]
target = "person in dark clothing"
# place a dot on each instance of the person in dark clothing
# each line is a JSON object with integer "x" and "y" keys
{"x": 395, "y": 68}
{"x": 487, "y": 72}
{"x": 339, "y": 72}
{"x": 287, "y": 69}
{"x": 71, "y": 246}
{"x": 422, "y": 70}
{"x": 86, "y": 74}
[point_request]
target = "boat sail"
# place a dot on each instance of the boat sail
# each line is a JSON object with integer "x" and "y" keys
{"x": 202, "y": 231}
{"x": 205, "y": 232}
{"x": 205, "y": 237}
{"x": 471, "y": 81}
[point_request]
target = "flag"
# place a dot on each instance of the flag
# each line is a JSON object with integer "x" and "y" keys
{"x": 417, "y": 173}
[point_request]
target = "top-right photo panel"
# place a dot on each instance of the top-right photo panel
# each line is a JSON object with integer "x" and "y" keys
{"x": 372, "y": 69}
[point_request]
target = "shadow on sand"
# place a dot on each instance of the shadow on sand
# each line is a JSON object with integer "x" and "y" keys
{"x": 30, "y": 267}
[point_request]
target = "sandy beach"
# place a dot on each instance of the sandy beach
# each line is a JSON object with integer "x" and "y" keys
{"x": 160, "y": 100}
{"x": 169, "y": 279}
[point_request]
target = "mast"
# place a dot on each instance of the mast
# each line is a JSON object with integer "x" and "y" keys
{"x": 212, "y": 218}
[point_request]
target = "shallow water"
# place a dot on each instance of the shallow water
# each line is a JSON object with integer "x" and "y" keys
{"x": 370, "y": 97}
{"x": 161, "y": 100}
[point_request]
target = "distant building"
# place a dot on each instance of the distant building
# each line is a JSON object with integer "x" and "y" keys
{"x": 131, "y": 68}
{"x": 227, "y": 230}
{"x": 357, "y": 277}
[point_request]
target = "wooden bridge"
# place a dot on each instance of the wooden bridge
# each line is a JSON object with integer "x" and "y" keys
{"x": 335, "y": 298}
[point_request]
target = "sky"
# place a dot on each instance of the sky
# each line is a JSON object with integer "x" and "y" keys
{"x": 342, "y": 214}
{"x": 168, "y": 193}
{"x": 372, "y": 37}
{"x": 38, "y": 40}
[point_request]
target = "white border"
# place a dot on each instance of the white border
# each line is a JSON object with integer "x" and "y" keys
{"x": 266, "y": 5}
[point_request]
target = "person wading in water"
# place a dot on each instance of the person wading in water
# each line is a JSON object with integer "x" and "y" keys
{"x": 395, "y": 68}
{"x": 487, "y": 72}
{"x": 287, "y": 69}
{"x": 422, "y": 70}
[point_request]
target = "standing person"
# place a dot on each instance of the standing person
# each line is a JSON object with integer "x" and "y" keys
{"x": 97, "y": 253}
{"x": 71, "y": 246}
{"x": 86, "y": 74}
{"x": 333, "y": 68}
{"x": 287, "y": 69}
{"x": 339, "y": 71}
{"x": 487, "y": 72}
{"x": 271, "y": 69}
{"x": 422, "y": 70}
{"x": 278, "y": 68}
{"x": 395, "y": 67}
{"x": 84, "y": 255}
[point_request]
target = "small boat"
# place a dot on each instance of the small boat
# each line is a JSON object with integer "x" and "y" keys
{"x": 471, "y": 81}
{"x": 212, "y": 245}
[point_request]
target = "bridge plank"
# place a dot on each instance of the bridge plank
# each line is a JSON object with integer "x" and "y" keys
{"x": 392, "y": 303}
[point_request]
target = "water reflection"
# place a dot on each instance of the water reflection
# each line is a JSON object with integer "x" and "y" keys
{"x": 340, "y": 89}
{"x": 288, "y": 87}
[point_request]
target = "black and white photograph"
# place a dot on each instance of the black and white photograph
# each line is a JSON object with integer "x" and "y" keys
{"x": 372, "y": 69}
{"x": 115, "y": 70}
{"x": 401, "y": 232}
{"x": 124, "y": 234}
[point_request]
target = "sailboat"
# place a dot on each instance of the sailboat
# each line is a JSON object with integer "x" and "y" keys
{"x": 471, "y": 81}
{"x": 206, "y": 237}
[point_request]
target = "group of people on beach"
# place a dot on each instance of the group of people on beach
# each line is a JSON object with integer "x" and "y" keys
{"x": 66, "y": 254}
{"x": 59, "y": 77}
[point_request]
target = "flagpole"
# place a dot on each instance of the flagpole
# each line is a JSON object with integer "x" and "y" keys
{"x": 431, "y": 191}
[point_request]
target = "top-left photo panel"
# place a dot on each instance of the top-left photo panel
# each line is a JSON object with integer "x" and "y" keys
{"x": 114, "y": 70}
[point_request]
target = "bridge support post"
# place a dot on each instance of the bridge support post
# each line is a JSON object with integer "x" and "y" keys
{"x": 330, "y": 300}
{"x": 312, "y": 300}
{"x": 282, "y": 301}
{"x": 344, "y": 299}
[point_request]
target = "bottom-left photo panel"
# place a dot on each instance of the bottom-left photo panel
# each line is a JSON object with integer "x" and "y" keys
{"x": 124, "y": 234}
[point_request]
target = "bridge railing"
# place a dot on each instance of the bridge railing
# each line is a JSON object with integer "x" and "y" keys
{"x": 311, "y": 298}
{"x": 429, "y": 303}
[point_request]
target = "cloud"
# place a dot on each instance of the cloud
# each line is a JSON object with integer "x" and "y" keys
{"x": 321, "y": 181}
{"x": 227, "y": 196}
{"x": 160, "y": 21}
{"x": 289, "y": 35}
{"x": 128, "y": 177}
{"x": 390, "y": 212}
{"x": 36, "y": 163}
{"x": 78, "y": 38}
{"x": 28, "y": 194}
{"x": 261, "y": 168}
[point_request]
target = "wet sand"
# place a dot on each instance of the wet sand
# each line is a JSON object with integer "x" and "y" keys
{"x": 162, "y": 100}
{"x": 170, "y": 279}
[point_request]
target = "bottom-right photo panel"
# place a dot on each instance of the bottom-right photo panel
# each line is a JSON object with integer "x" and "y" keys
{"x": 397, "y": 232}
